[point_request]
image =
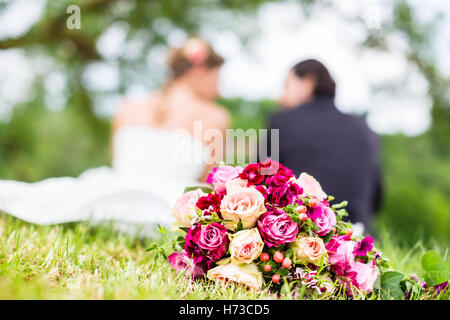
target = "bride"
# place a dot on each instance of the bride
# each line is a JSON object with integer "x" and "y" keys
{"x": 152, "y": 162}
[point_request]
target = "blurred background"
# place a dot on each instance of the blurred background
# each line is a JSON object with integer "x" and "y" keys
{"x": 391, "y": 59}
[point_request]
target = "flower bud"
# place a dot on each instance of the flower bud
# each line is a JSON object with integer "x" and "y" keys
{"x": 301, "y": 209}
{"x": 287, "y": 262}
{"x": 278, "y": 257}
{"x": 312, "y": 202}
{"x": 264, "y": 257}
{"x": 276, "y": 278}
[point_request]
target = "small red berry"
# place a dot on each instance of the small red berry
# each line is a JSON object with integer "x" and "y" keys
{"x": 286, "y": 263}
{"x": 267, "y": 268}
{"x": 278, "y": 257}
{"x": 301, "y": 209}
{"x": 276, "y": 278}
{"x": 303, "y": 217}
{"x": 264, "y": 257}
{"x": 349, "y": 232}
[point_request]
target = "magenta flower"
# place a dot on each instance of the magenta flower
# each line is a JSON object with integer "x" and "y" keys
{"x": 219, "y": 176}
{"x": 442, "y": 287}
{"x": 284, "y": 194}
{"x": 269, "y": 172}
{"x": 277, "y": 228}
{"x": 181, "y": 261}
{"x": 340, "y": 254}
{"x": 206, "y": 242}
{"x": 323, "y": 217}
{"x": 364, "y": 246}
{"x": 363, "y": 276}
{"x": 269, "y": 167}
{"x": 209, "y": 179}
{"x": 276, "y": 177}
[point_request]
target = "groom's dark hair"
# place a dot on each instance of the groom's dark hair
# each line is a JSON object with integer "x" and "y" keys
{"x": 325, "y": 85}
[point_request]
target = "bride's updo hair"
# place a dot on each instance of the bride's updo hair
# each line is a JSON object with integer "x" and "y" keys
{"x": 194, "y": 52}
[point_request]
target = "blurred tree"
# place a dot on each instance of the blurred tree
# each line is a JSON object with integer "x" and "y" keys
{"x": 417, "y": 186}
{"x": 419, "y": 38}
{"x": 71, "y": 52}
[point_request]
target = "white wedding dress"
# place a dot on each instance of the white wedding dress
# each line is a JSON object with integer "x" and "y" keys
{"x": 151, "y": 167}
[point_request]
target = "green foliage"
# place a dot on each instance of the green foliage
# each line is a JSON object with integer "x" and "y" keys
{"x": 328, "y": 236}
{"x": 390, "y": 285}
{"x": 437, "y": 271}
{"x": 79, "y": 261}
{"x": 204, "y": 189}
{"x": 37, "y": 143}
{"x": 240, "y": 225}
{"x": 416, "y": 189}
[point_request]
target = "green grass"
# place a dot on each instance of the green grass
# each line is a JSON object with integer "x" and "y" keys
{"x": 78, "y": 261}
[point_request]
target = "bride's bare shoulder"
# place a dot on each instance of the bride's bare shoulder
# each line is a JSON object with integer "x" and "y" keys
{"x": 136, "y": 111}
{"x": 219, "y": 116}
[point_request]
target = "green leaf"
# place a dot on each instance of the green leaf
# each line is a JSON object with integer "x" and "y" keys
{"x": 390, "y": 284}
{"x": 204, "y": 189}
{"x": 152, "y": 247}
{"x": 288, "y": 253}
{"x": 343, "y": 204}
{"x": 437, "y": 271}
{"x": 328, "y": 237}
{"x": 239, "y": 226}
{"x": 283, "y": 272}
{"x": 341, "y": 213}
{"x": 162, "y": 229}
{"x": 185, "y": 229}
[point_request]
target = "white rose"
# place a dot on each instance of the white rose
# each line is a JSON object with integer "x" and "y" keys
{"x": 246, "y": 246}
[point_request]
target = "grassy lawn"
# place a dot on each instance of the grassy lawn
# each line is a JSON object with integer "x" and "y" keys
{"x": 77, "y": 261}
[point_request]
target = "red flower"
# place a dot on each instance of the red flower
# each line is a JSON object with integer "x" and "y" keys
{"x": 211, "y": 203}
{"x": 252, "y": 175}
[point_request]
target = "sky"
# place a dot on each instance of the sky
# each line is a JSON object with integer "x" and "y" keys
{"x": 258, "y": 70}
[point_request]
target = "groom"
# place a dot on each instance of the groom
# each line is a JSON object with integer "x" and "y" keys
{"x": 339, "y": 150}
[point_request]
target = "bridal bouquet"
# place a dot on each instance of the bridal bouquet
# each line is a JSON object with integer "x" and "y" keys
{"x": 263, "y": 226}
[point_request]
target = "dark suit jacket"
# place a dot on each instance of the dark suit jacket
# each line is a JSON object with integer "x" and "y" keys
{"x": 338, "y": 149}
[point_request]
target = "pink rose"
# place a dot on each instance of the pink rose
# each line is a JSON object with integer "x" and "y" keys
{"x": 184, "y": 209}
{"x": 323, "y": 217}
{"x": 366, "y": 275}
{"x": 235, "y": 184}
{"x": 246, "y": 246}
{"x": 246, "y": 204}
{"x": 219, "y": 176}
{"x": 311, "y": 186}
{"x": 206, "y": 242}
{"x": 182, "y": 262}
{"x": 340, "y": 253}
{"x": 308, "y": 250}
{"x": 277, "y": 228}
